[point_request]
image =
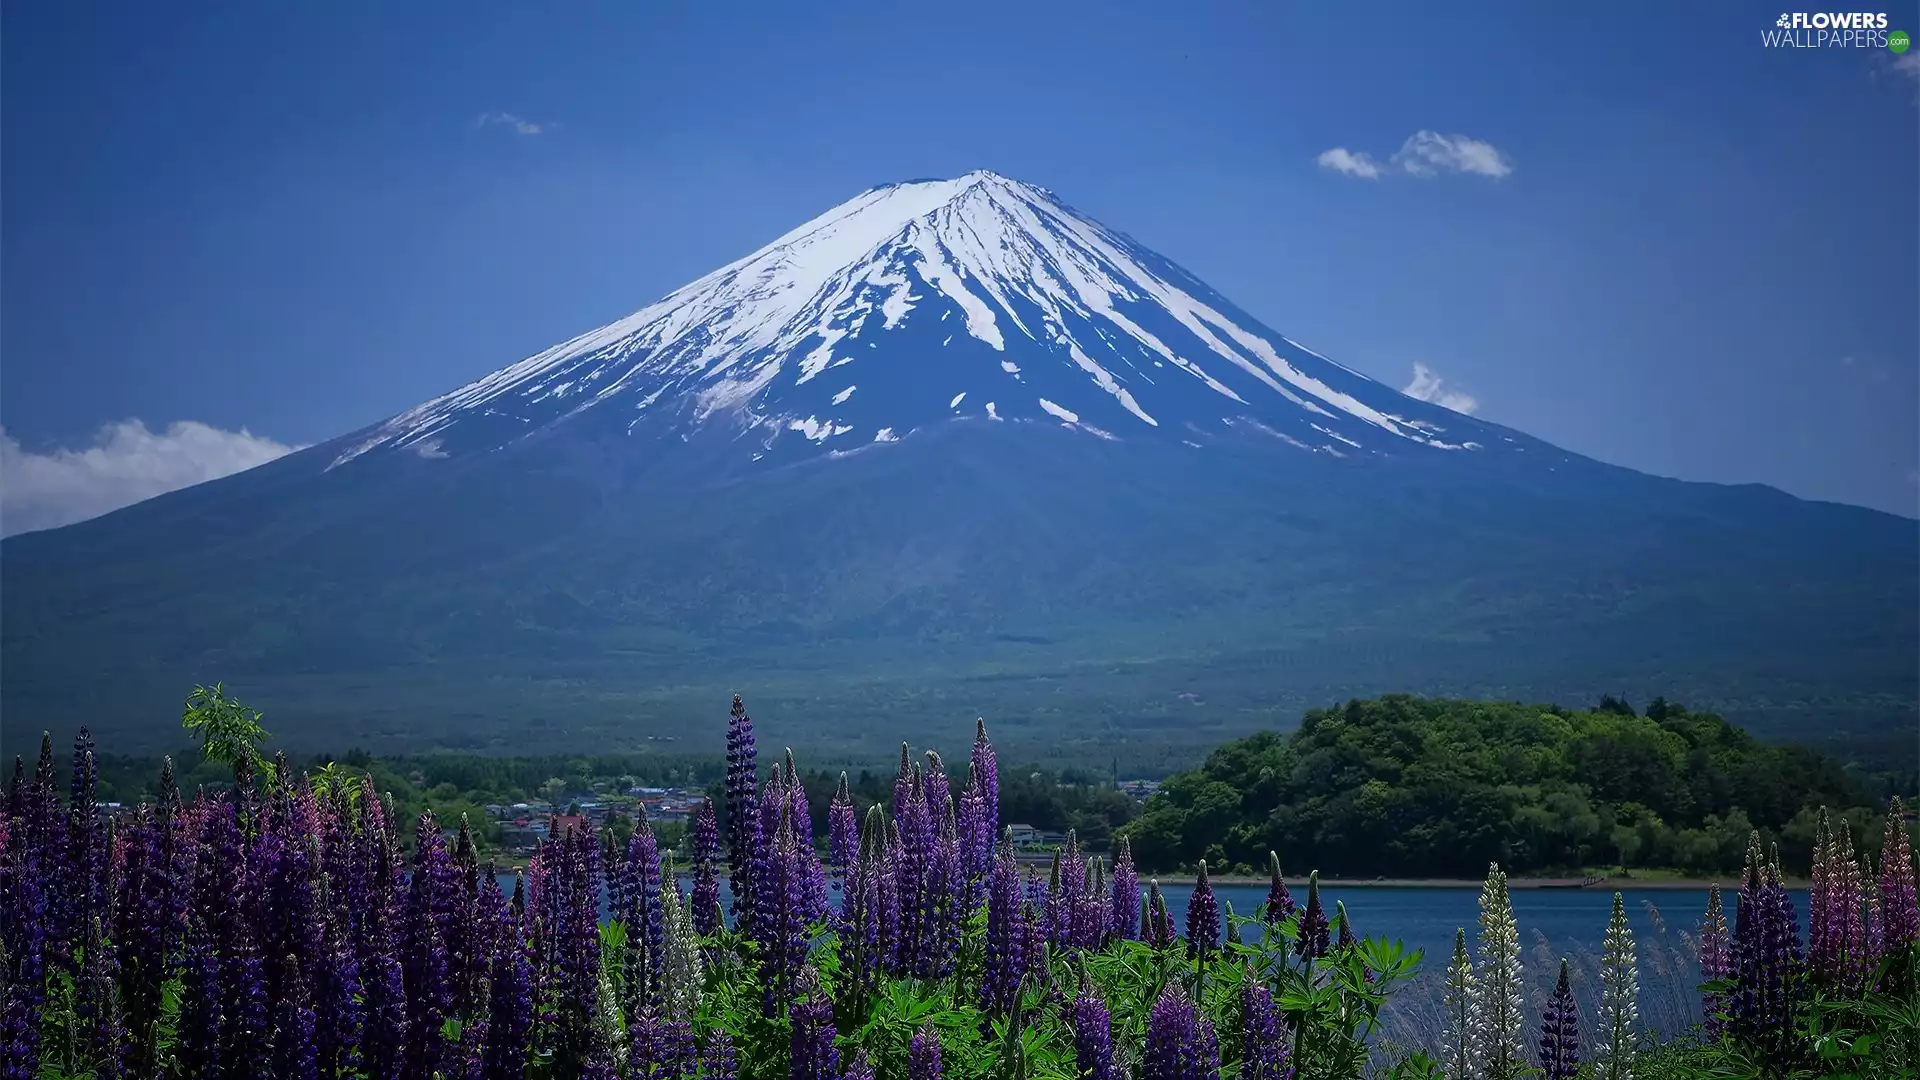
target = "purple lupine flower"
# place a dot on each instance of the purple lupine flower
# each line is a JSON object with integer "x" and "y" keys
{"x": 1203, "y": 917}
{"x": 23, "y": 947}
{"x": 1092, "y": 1028}
{"x": 429, "y": 995}
{"x": 1123, "y": 915}
{"x": 246, "y": 1044}
{"x": 85, "y": 870}
{"x": 1347, "y": 941}
{"x": 887, "y": 899}
{"x": 1279, "y": 903}
{"x": 843, "y": 835}
{"x": 293, "y": 1028}
{"x": 860, "y": 1068}
{"x": 1312, "y": 942}
{"x": 103, "y": 1030}
{"x": 1899, "y": 914}
{"x": 743, "y": 810}
{"x": 203, "y": 999}
{"x": 811, "y": 1016}
{"x": 338, "y": 998}
{"x": 661, "y": 1048}
{"x": 576, "y": 934}
{"x": 718, "y": 1059}
{"x": 1065, "y": 892}
{"x": 1006, "y": 959}
{"x": 378, "y": 934}
{"x": 706, "y": 884}
{"x": 1767, "y": 962}
{"x": 510, "y": 1005}
{"x": 986, "y": 774}
{"x": 1716, "y": 964}
{"x": 923, "y": 1054}
{"x": 1560, "y": 1033}
{"x": 147, "y": 927}
{"x": 1089, "y": 916}
{"x": 976, "y": 841}
{"x": 1822, "y": 942}
{"x": 646, "y": 922}
{"x": 1263, "y": 1042}
{"x": 1180, "y": 1044}
{"x": 862, "y": 942}
{"x": 814, "y": 873}
{"x": 780, "y": 925}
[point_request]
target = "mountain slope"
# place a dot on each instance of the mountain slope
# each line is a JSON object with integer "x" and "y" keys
{"x": 953, "y": 448}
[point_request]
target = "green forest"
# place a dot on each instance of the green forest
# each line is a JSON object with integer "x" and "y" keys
{"x": 1403, "y": 786}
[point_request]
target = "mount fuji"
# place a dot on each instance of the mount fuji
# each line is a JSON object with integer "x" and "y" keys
{"x": 952, "y": 447}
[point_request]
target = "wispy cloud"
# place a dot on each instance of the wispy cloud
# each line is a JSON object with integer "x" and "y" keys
{"x": 126, "y": 464}
{"x": 516, "y": 124}
{"x": 1342, "y": 160}
{"x": 1428, "y": 386}
{"x": 1425, "y": 154}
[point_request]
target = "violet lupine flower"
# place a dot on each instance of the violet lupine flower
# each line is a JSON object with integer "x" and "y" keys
{"x": 196, "y": 1044}
{"x": 1123, "y": 912}
{"x": 1899, "y": 913}
{"x": 843, "y": 835}
{"x": 743, "y": 810}
{"x": 888, "y": 881}
{"x": 1092, "y": 1027}
{"x": 1347, "y": 941}
{"x": 378, "y": 936}
{"x": 986, "y": 775}
{"x": 247, "y": 1041}
{"x": 816, "y": 893}
{"x": 1560, "y": 1033}
{"x": 1716, "y": 964}
{"x": 23, "y": 949}
{"x": 646, "y": 922}
{"x": 923, "y": 1054}
{"x": 1089, "y": 916}
{"x": 1279, "y": 903}
{"x": 147, "y": 927}
{"x": 103, "y": 1030}
{"x": 84, "y": 871}
{"x": 1067, "y": 894}
{"x": 935, "y": 788}
{"x": 860, "y": 1068}
{"x": 338, "y": 996}
{"x": 1180, "y": 1043}
{"x": 1312, "y": 942}
{"x": 718, "y": 1059}
{"x": 510, "y": 1005}
{"x": 706, "y": 884}
{"x": 1006, "y": 960}
{"x": 1263, "y": 1042}
{"x": 811, "y": 1016}
{"x": 863, "y": 948}
{"x": 293, "y": 1028}
{"x": 1203, "y": 918}
{"x": 975, "y": 836}
{"x": 780, "y": 925}
{"x": 660, "y": 1048}
{"x": 1822, "y": 943}
{"x": 1767, "y": 962}
{"x": 944, "y": 891}
{"x": 424, "y": 964}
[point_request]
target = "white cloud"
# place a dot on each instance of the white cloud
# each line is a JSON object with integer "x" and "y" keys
{"x": 1908, "y": 64}
{"x": 126, "y": 463}
{"x": 1426, "y": 153}
{"x": 505, "y": 119}
{"x": 1427, "y": 386}
{"x": 1342, "y": 160}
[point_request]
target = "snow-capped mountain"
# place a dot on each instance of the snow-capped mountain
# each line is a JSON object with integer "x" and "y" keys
{"x": 918, "y": 304}
{"x": 950, "y": 449}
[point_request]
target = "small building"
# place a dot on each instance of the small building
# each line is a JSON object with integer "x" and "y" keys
{"x": 1023, "y": 835}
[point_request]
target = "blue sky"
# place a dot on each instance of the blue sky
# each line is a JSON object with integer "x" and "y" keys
{"x": 1662, "y": 244}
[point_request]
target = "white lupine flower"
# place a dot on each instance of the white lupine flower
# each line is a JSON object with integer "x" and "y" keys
{"x": 1456, "y": 1055}
{"x": 1617, "y": 1038}
{"x": 681, "y": 971}
{"x": 1499, "y": 1047}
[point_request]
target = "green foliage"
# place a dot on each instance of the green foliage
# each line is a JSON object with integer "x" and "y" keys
{"x": 1406, "y": 786}
{"x": 229, "y": 732}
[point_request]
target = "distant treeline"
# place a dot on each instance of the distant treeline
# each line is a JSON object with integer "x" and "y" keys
{"x": 1406, "y": 786}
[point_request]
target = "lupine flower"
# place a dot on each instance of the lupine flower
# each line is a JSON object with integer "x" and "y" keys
{"x": 1312, "y": 942}
{"x": 1123, "y": 914}
{"x": 843, "y": 834}
{"x": 1346, "y": 942}
{"x": 780, "y": 921}
{"x": 510, "y": 1005}
{"x": 1822, "y": 943}
{"x": 1457, "y": 1057}
{"x": 923, "y": 1054}
{"x": 1560, "y": 1033}
{"x": 1203, "y": 917}
{"x": 1279, "y": 903}
{"x": 1716, "y": 964}
{"x": 662, "y": 1047}
{"x": 1157, "y": 924}
{"x": 975, "y": 835}
{"x": 718, "y": 1059}
{"x": 424, "y": 961}
{"x": 1090, "y": 908}
{"x": 1006, "y": 959}
{"x": 1899, "y": 915}
{"x": 1497, "y": 1003}
{"x": 935, "y": 788}
{"x": 646, "y": 923}
{"x": 1767, "y": 962}
{"x": 861, "y": 1067}
{"x": 743, "y": 810}
{"x": 811, "y": 1016}
{"x": 1180, "y": 1043}
{"x": 1263, "y": 1044}
{"x": 293, "y": 1028}
{"x": 986, "y": 775}
{"x": 706, "y": 884}
{"x": 1615, "y": 1038}
{"x": 1092, "y": 1028}
{"x": 680, "y": 969}
{"x": 103, "y": 1031}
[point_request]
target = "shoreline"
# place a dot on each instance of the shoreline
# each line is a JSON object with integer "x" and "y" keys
{"x": 1609, "y": 884}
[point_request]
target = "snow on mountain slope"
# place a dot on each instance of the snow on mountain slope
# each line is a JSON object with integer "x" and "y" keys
{"x": 941, "y": 300}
